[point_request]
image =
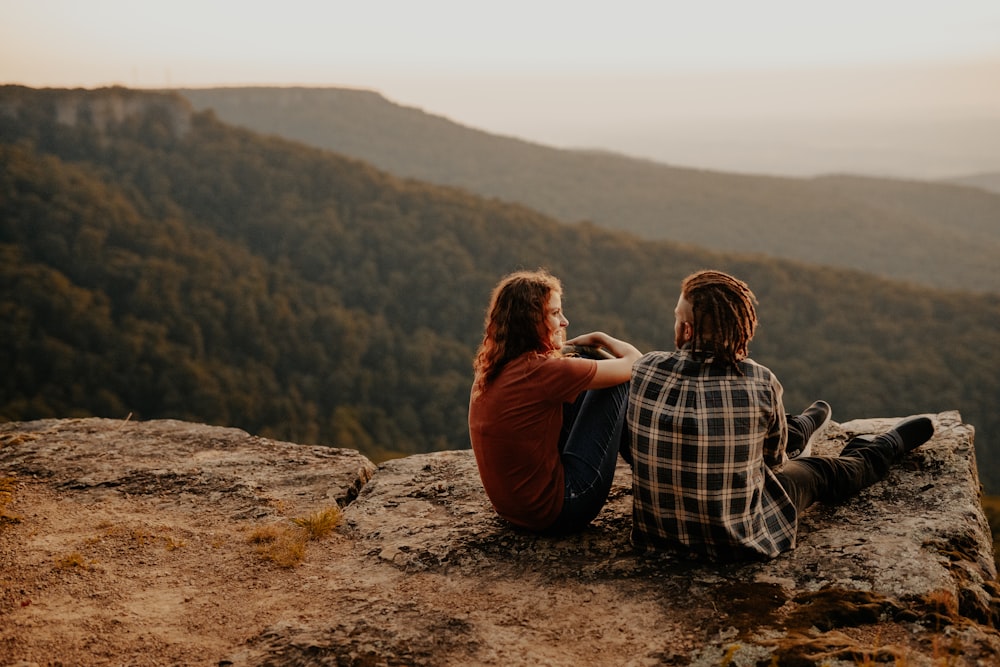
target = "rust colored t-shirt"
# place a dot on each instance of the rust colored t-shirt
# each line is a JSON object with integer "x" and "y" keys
{"x": 514, "y": 427}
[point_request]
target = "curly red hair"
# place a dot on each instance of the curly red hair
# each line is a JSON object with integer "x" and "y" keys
{"x": 513, "y": 319}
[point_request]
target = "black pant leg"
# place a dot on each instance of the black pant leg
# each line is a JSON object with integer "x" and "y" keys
{"x": 832, "y": 479}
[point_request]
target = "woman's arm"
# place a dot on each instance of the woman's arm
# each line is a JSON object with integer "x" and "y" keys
{"x": 609, "y": 371}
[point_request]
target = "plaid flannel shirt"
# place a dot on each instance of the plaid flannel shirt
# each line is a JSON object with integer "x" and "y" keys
{"x": 704, "y": 437}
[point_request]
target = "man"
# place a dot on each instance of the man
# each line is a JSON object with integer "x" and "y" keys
{"x": 709, "y": 437}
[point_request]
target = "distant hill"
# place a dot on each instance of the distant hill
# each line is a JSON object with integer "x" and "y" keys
{"x": 989, "y": 182}
{"x": 935, "y": 234}
{"x": 159, "y": 262}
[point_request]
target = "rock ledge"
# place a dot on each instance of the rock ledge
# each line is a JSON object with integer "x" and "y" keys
{"x": 421, "y": 572}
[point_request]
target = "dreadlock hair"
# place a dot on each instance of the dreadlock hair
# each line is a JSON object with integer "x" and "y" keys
{"x": 725, "y": 317}
{"x": 512, "y": 326}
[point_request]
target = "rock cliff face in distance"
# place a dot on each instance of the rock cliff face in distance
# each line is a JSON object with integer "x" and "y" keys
{"x": 169, "y": 542}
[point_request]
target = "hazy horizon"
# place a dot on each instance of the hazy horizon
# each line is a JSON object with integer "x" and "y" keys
{"x": 915, "y": 121}
{"x": 892, "y": 88}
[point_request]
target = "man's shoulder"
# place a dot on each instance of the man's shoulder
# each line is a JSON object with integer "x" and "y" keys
{"x": 664, "y": 360}
{"x": 656, "y": 355}
{"x": 656, "y": 359}
{"x": 751, "y": 368}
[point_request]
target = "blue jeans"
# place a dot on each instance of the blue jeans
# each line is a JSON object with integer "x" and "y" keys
{"x": 831, "y": 479}
{"x": 593, "y": 432}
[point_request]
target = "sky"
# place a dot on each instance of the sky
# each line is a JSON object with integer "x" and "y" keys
{"x": 775, "y": 86}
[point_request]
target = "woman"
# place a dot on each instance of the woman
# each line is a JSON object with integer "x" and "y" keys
{"x": 545, "y": 427}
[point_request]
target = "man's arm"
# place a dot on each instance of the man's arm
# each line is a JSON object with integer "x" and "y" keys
{"x": 777, "y": 435}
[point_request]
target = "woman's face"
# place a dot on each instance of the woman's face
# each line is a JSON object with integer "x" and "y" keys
{"x": 554, "y": 323}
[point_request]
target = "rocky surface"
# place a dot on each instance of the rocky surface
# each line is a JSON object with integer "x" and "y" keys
{"x": 136, "y": 543}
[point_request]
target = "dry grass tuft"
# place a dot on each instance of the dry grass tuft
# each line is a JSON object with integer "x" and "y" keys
{"x": 139, "y": 537}
{"x": 942, "y": 601}
{"x": 831, "y": 608}
{"x": 285, "y": 545}
{"x": 7, "y": 487}
{"x": 171, "y": 544}
{"x": 142, "y": 536}
{"x": 727, "y": 659}
{"x": 16, "y": 439}
{"x": 74, "y": 561}
{"x": 320, "y": 523}
{"x": 281, "y": 544}
{"x": 808, "y": 648}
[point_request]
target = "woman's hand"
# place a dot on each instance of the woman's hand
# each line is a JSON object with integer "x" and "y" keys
{"x": 618, "y": 348}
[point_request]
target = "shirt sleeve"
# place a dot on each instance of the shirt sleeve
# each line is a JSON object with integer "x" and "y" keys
{"x": 777, "y": 433}
{"x": 566, "y": 377}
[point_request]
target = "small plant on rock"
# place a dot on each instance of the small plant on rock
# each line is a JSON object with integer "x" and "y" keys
{"x": 285, "y": 545}
{"x": 7, "y": 487}
{"x": 320, "y": 523}
{"x": 281, "y": 544}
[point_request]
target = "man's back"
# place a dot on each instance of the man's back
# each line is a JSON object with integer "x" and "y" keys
{"x": 704, "y": 435}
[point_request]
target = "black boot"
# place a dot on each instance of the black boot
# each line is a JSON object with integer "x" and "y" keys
{"x": 803, "y": 428}
{"x": 908, "y": 434}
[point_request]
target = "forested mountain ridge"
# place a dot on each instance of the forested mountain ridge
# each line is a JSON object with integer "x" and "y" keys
{"x": 941, "y": 234}
{"x": 159, "y": 262}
